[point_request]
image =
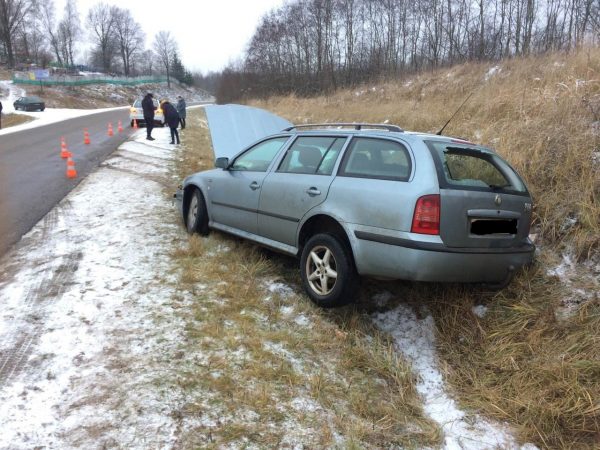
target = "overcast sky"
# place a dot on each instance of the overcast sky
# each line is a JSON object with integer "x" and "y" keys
{"x": 210, "y": 33}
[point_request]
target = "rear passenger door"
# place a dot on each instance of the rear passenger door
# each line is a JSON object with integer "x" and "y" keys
{"x": 372, "y": 187}
{"x": 300, "y": 182}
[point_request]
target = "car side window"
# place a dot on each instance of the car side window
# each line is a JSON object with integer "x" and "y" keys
{"x": 376, "y": 158}
{"x": 259, "y": 157}
{"x": 312, "y": 155}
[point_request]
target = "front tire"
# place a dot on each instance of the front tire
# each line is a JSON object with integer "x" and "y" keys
{"x": 328, "y": 273}
{"x": 196, "y": 218}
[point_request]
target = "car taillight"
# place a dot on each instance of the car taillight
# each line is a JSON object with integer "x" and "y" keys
{"x": 159, "y": 111}
{"x": 426, "y": 219}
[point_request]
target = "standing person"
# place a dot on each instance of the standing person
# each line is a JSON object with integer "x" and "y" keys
{"x": 181, "y": 110}
{"x": 172, "y": 119}
{"x": 148, "y": 107}
{"x": 0, "y": 115}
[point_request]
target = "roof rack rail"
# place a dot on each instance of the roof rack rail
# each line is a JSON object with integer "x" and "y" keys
{"x": 356, "y": 126}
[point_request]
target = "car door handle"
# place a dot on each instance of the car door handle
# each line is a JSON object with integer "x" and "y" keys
{"x": 254, "y": 185}
{"x": 313, "y": 191}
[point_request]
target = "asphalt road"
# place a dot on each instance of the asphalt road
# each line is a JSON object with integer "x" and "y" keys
{"x": 33, "y": 175}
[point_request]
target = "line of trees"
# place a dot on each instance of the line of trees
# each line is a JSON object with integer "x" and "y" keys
{"x": 31, "y": 33}
{"x": 308, "y": 46}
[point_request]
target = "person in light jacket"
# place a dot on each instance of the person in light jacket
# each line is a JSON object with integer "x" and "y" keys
{"x": 181, "y": 110}
{"x": 172, "y": 119}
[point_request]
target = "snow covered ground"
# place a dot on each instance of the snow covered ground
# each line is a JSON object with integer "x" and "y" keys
{"x": 82, "y": 353}
{"x": 88, "y": 335}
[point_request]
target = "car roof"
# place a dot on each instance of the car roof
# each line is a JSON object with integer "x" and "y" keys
{"x": 372, "y": 132}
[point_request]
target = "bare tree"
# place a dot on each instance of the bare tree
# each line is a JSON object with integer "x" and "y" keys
{"x": 130, "y": 37}
{"x": 101, "y": 19}
{"x": 165, "y": 46}
{"x": 46, "y": 14}
{"x": 12, "y": 15}
{"x": 69, "y": 31}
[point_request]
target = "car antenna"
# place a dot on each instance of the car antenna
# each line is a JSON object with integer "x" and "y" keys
{"x": 439, "y": 133}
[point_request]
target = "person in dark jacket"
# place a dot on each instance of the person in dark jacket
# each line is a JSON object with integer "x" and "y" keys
{"x": 148, "y": 107}
{"x": 181, "y": 110}
{"x": 172, "y": 119}
{"x": 0, "y": 115}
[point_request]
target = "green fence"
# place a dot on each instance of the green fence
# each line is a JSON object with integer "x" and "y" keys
{"x": 82, "y": 81}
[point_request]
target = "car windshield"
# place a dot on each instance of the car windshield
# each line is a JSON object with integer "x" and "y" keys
{"x": 472, "y": 167}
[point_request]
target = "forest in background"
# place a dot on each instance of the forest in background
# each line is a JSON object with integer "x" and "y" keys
{"x": 312, "y": 46}
{"x": 31, "y": 33}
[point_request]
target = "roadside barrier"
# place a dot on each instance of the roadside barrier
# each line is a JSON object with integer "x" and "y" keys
{"x": 71, "y": 172}
{"x": 86, "y": 137}
{"x": 120, "y": 127}
{"x": 110, "y": 130}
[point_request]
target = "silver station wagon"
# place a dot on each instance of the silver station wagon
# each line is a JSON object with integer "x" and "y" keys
{"x": 369, "y": 200}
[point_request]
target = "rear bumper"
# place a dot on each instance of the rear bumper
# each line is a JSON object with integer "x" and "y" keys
{"x": 395, "y": 257}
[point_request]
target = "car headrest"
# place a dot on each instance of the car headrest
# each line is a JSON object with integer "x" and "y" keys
{"x": 309, "y": 156}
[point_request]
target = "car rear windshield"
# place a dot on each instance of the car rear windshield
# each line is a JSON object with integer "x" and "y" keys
{"x": 475, "y": 168}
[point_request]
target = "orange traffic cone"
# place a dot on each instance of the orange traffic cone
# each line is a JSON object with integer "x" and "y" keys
{"x": 64, "y": 152}
{"x": 71, "y": 172}
{"x": 86, "y": 136}
{"x": 135, "y": 125}
{"x": 120, "y": 127}
{"x": 110, "y": 130}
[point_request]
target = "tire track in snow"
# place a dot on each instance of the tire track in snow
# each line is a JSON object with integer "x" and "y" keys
{"x": 18, "y": 343}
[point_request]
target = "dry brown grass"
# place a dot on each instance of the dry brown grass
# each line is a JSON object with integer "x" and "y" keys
{"x": 526, "y": 362}
{"x": 541, "y": 113}
{"x": 10, "y": 120}
{"x": 271, "y": 370}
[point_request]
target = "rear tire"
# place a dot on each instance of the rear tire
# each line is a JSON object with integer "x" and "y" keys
{"x": 328, "y": 273}
{"x": 196, "y": 218}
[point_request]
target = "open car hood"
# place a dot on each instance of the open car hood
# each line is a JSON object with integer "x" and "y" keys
{"x": 235, "y": 127}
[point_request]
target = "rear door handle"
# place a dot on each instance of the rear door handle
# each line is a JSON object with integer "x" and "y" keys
{"x": 313, "y": 191}
{"x": 254, "y": 185}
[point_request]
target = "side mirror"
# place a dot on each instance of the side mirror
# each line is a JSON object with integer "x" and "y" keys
{"x": 222, "y": 163}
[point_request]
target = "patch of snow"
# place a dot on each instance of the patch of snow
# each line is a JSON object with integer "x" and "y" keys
{"x": 280, "y": 288}
{"x": 279, "y": 350}
{"x": 304, "y": 404}
{"x": 415, "y": 339}
{"x": 564, "y": 269}
{"x": 480, "y": 310}
{"x": 302, "y": 320}
{"x": 477, "y": 135}
{"x": 596, "y": 153}
{"x": 492, "y": 72}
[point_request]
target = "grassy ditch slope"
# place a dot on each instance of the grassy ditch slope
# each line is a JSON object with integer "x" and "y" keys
{"x": 266, "y": 369}
{"x": 533, "y": 358}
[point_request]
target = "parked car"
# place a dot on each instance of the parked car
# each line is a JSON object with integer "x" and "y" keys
{"x": 371, "y": 201}
{"x": 136, "y": 112}
{"x": 30, "y": 103}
